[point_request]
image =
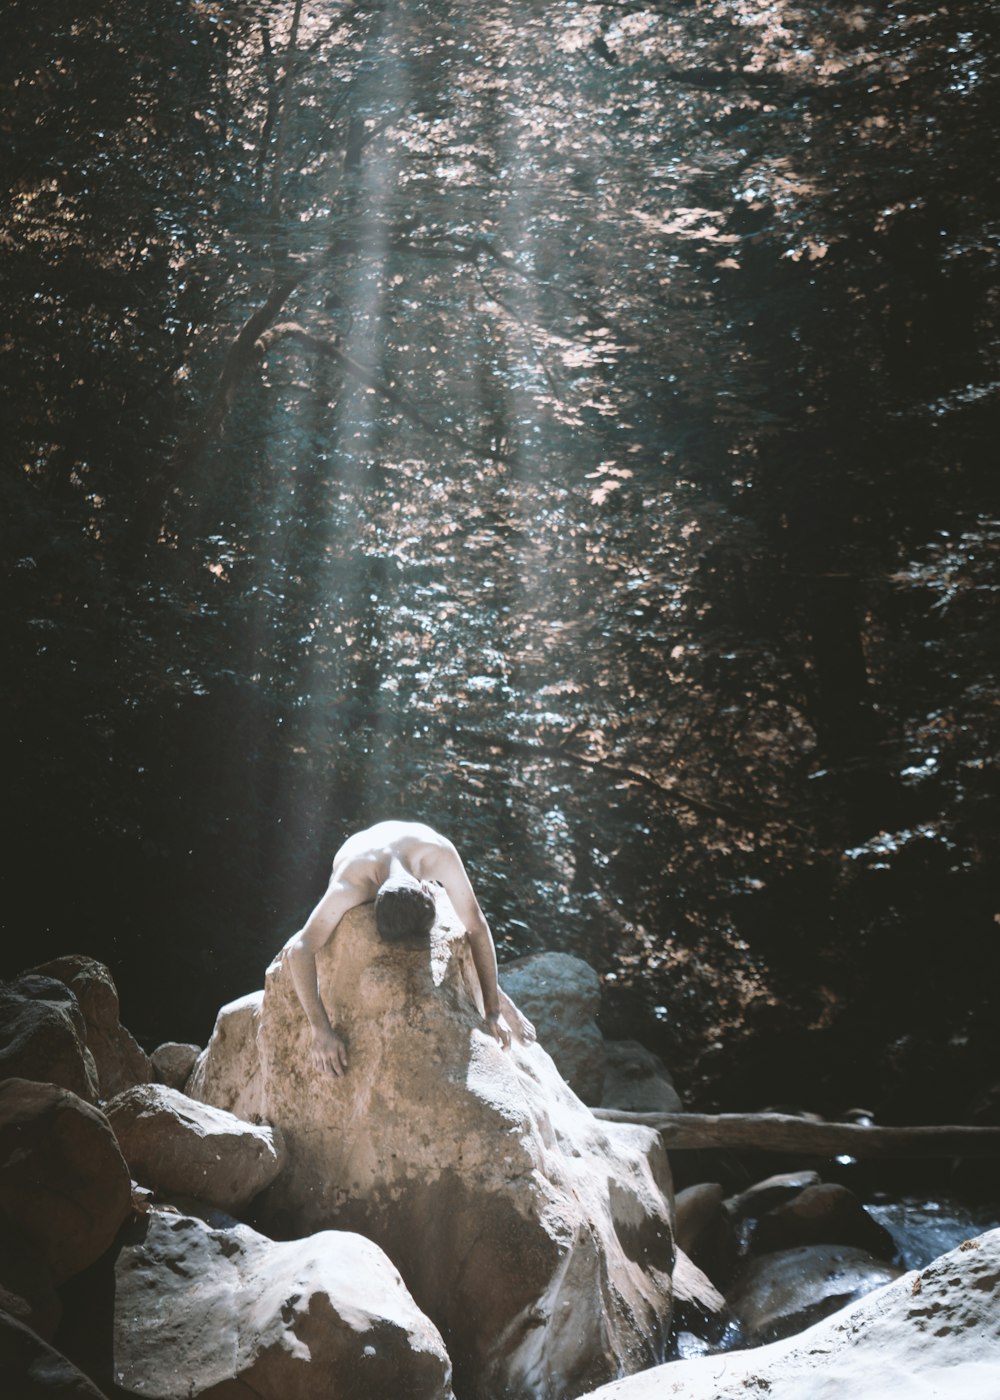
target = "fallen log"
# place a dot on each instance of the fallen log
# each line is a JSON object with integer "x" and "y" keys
{"x": 780, "y": 1132}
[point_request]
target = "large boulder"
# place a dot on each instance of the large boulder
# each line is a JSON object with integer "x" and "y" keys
{"x": 933, "y": 1334}
{"x": 173, "y": 1062}
{"x": 227, "y": 1072}
{"x": 701, "y": 1313}
{"x": 181, "y": 1147}
{"x": 537, "y": 1238}
{"x": 779, "y": 1294}
{"x": 826, "y": 1213}
{"x": 120, "y": 1061}
{"x": 637, "y": 1080}
{"x": 63, "y": 1181}
{"x": 43, "y": 1035}
{"x": 27, "y": 1288}
{"x": 228, "y": 1313}
{"x": 705, "y": 1232}
{"x": 562, "y": 995}
{"x": 30, "y": 1369}
{"x": 766, "y": 1195}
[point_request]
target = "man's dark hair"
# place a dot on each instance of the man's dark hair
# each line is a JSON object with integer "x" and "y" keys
{"x": 404, "y": 913}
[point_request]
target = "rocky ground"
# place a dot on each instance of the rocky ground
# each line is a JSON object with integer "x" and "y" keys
{"x": 447, "y": 1220}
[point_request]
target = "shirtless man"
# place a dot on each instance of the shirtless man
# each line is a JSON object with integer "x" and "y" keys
{"x": 393, "y": 864}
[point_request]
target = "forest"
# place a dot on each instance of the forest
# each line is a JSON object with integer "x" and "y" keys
{"x": 572, "y": 425}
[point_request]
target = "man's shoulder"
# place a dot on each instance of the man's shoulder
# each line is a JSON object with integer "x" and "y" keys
{"x": 353, "y": 871}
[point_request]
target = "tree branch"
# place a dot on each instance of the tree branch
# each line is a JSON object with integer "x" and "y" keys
{"x": 291, "y": 330}
{"x": 620, "y": 770}
{"x": 242, "y": 351}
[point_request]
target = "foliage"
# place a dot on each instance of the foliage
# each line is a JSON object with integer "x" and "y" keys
{"x": 572, "y": 425}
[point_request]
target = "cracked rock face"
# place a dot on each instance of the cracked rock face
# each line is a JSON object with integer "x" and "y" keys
{"x": 537, "y": 1238}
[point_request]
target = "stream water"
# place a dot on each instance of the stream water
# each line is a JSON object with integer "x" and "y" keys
{"x": 923, "y": 1229}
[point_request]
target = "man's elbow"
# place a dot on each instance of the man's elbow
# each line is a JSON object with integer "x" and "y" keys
{"x": 311, "y": 937}
{"x": 294, "y": 944}
{"x": 299, "y": 950}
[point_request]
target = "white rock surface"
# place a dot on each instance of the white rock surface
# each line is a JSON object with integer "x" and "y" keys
{"x": 537, "y": 1238}
{"x": 229, "y": 1313}
{"x": 181, "y": 1147}
{"x": 227, "y": 1072}
{"x": 931, "y": 1335}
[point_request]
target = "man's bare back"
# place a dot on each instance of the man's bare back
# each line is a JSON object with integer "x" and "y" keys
{"x": 389, "y": 854}
{"x": 368, "y": 858}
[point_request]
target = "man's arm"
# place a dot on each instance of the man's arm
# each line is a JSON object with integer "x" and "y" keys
{"x": 501, "y": 1013}
{"x": 329, "y": 1050}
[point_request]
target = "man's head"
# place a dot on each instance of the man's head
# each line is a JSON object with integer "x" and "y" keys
{"x": 404, "y": 911}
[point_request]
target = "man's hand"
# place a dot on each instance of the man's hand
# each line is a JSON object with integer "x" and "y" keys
{"x": 329, "y": 1051}
{"x": 498, "y": 1028}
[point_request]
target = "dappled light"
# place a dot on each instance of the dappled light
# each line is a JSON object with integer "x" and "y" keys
{"x": 573, "y": 426}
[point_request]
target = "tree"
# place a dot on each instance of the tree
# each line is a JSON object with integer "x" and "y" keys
{"x": 571, "y": 427}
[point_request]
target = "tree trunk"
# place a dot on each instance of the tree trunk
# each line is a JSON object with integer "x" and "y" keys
{"x": 778, "y": 1132}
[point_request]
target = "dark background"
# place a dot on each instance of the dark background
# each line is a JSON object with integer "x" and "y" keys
{"x": 574, "y": 426}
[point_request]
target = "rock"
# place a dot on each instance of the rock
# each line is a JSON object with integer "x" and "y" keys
{"x": 537, "y": 1238}
{"x": 43, "y": 1035}
{"x": 695, "y": 1209}
{"x": 227, "y": 1072}
{"x": 764, "y": 1195}
{"x": 119, "y": 1059}
{"x": 219, "y": 1313}
{"x": 182, "y": 1147}
{"x": 63, "y": 1181}
{"x": 33, "y": 1370}
{"x": 636, "y": 1080}
{"x": 933, "y": 1334}
{"x": 705, "y": 1232}
{"x": 562, "y": 995}
{"x": 822, "y": 1214}
{"x": 27, "y": 1289}
{"x": 700, "y": 1310}
{"x": 173, "y": 1063}
{"x": 779, "y": 1294}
